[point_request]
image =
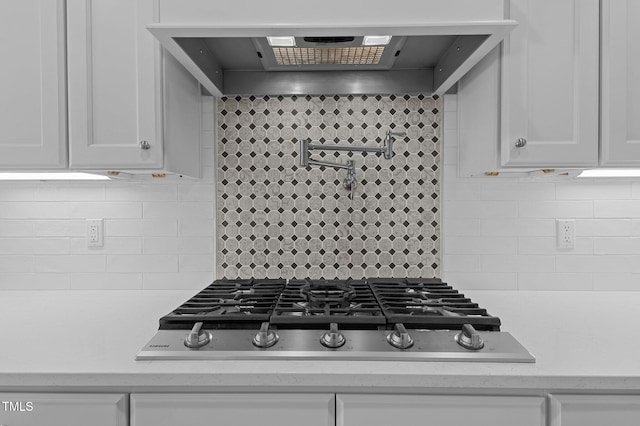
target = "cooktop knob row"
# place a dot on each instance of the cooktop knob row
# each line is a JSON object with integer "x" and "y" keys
{"x": 265, "y": 338}
{"x": 333, "y": 338}
{"x": 469, "y": 338}
{"x": 197, "y": 338}
{"x": 400, "y": 338}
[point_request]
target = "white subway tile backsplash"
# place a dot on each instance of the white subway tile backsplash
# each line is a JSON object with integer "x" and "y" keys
{"x": 17, "y": 228}
{"x": 462, "y": 263}
{"x": 16, "y": 263}
{"x": 34, "y": 281}
{"x": 141, "y": 192}
{"x": 462, "y": 191}
{"x": 17, "y": 191}
{"x": 181, "y": 210}
{"x": 177, "y": 281}
{"x": 606, "y": 213}
{"x": 102, "y": 281}
{"x": 518, "y": 263}
{"x": 59, "y": 228}
{"x": 462, "y": 227}
{"x": 196, "y": 192}
{"x": 518, "y": 191}
{"x": 148, "y": 225}
{"x": 70, "y": 191}
{"x": 70, "y": 263}
{"x": 614, "y": 281}
{"x": 605, "y": 228}
{"x": 479, "y": 245}
{"x": 158, "y": 227}
{"x": 598, "y": 264}
{"x": 555, "y": 281}
{"x": 142, "y": 263}
{"x": 113, "y": 245}
{"x": 196, "y": 262}
{"x": 593, "y": 191}
{"x": 518, "y": 227}
{"x": 34, "y": 246}
{"x": 196, "y": 227}
{"x": 179, "y": 245}
{"x": 555, "y": 209}
{"x": 481, "y": 209}
{"x": 482, "y": 281}
{"x": 617, "y": 245}
{"x": 548, "y": 245}
{"x": 617, "y": 208}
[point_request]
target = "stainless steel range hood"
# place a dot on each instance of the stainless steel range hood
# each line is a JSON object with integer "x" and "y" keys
{"x": 422, "y": 55}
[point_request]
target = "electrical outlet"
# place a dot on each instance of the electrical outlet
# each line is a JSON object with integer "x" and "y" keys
{"x": 95, "y": 232}
{"x": 566, "y": 233}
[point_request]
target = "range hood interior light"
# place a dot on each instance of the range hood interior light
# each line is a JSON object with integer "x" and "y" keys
{"x": 52, "y": 176}
{"x": 600, "y": 173}
{"x": 376, "y": 40}
{"x": 282, "y": 41}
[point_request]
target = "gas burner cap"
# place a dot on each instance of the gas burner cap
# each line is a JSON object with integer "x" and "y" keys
{"x": 321, "y": 293}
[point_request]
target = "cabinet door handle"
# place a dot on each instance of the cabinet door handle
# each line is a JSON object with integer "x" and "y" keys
{"x": 144, "y": 145}
{"x": 521, "y": 142}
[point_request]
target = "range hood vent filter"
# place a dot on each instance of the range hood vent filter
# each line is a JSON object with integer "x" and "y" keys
{"x": 364, "y": 55}
{"x": 328, "y": 40}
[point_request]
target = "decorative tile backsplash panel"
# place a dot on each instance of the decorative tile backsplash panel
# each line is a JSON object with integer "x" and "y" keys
{"x": 278, "y": 219}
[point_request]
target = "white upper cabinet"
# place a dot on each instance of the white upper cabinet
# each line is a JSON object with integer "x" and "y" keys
{"x": 550, "y": 84}
{"x": 32, "y": 84}
{"x": 620, "y": 83}
{"x": 114, "y": 94}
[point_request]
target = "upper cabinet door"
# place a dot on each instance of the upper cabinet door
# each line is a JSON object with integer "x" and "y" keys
{"x": 620, "y": 82}
{"x": 550, "y": 84}
{"x": 114, "y": 92}
{"x": 32, "y": 84}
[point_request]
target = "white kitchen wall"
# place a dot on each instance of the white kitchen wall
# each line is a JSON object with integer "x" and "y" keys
{"x": 499, "y": 233}
{"x": 158, "y": 234}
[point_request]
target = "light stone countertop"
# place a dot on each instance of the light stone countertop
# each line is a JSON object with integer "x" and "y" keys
{"x": 65, "y": 340}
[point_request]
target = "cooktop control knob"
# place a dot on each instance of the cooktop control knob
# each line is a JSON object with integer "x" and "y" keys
{"x": 333, "y": 338}
{"x": 400, "y": 338}
{"x": 265, "y": 338}
{"x": 197, "y": 338}
{"x": 469, "y": 338}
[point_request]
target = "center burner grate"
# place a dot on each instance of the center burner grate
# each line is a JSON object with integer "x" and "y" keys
{"x": 317, "y": 303}
{"x": 429, "y": 303}
{"x": 228, "y": 304}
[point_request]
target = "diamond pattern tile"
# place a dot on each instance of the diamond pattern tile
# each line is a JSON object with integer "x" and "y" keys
{"x": 279, "y": 220}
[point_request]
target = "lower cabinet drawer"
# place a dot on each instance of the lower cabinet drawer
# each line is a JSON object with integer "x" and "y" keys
{"x": 63, "y": 409}
{"x": 453, "y": 410}
{"x": 274, "y": 409}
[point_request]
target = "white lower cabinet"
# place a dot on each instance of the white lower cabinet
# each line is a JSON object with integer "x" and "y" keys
{"x": 454, "y": 410}
{"x": 276, "y": 409}
{"x": 594, "y": 410}
{"x": 63, "y": 409}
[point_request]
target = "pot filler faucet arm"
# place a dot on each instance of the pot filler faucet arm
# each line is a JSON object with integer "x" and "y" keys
{"x": 350, "y": 180}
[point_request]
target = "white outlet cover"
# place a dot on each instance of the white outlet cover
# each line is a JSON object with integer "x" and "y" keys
{"x": 565, "y": 233}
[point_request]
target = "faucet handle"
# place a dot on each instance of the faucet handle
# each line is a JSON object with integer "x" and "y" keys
{"x": 388, "y": 143}
{"x": 304, "y": 152}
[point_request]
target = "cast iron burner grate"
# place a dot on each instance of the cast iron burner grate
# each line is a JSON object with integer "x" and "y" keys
{"x": 317, "y": 303}
{"x": 429, "y": 303}
{"x": 228, "y": 304}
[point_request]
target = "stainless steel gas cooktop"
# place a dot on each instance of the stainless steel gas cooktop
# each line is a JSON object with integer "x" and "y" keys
{"x": 376, "y": 319}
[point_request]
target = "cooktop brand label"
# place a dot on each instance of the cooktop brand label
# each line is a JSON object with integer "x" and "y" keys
{"x": 17, "y": 406}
